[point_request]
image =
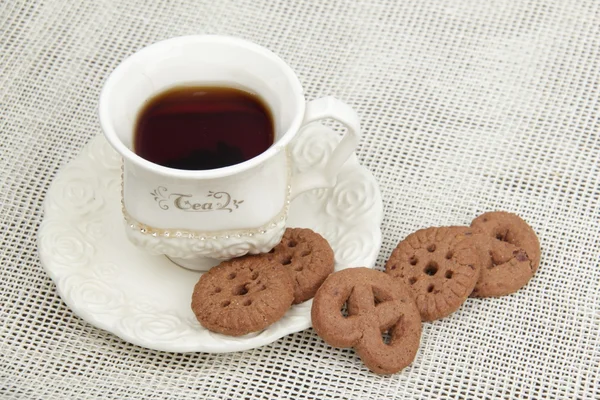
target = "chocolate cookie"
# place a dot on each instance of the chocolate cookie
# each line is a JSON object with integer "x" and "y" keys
{"x": 307, "y": 257}
{"x": 440, "y": 265}
{"x": 242, "y": 295}
{"x": 512, "y": 254}
{"x": 375, "y": 304}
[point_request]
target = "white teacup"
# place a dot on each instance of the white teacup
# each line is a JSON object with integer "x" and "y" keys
{"x": 199, "y": 217}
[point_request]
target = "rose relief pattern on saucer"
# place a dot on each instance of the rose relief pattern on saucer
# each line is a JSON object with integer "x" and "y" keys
{"x": 145, "y": 299}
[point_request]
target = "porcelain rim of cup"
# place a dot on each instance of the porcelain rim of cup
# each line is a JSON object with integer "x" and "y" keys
{"x": 130, "y": 155}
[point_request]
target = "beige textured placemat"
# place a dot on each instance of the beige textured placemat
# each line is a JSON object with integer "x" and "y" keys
{"x": 467, "y": 106}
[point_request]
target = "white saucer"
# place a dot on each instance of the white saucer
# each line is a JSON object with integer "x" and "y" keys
{"x": 145, "y": 299}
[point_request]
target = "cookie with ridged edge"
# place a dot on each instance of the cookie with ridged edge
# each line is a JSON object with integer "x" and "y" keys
{"x": 242, "y": 295}
{"x": 307, "y": 257}
{"x": 441, "y": 266}
{"x": 512, "y": 253}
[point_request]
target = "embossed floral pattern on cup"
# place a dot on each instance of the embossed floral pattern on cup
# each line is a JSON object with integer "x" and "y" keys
{"x": 312, "y": 149}
{"x": 228, "y": 246}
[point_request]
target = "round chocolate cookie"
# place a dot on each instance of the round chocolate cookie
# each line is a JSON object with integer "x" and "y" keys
{"x": 440, "y": 265}
{"x": 375, "y": 304}
{"x": 242, "y": 295}
{"x": 512, "y": 252}
{"x": 307, "y": 257}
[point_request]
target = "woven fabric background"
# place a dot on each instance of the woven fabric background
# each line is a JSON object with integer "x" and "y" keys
{"x": 466, "y": 106}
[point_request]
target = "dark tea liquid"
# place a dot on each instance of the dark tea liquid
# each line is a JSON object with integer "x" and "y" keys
{"x": 199, "y": 128}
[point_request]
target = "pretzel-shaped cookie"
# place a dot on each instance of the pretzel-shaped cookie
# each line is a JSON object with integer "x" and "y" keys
{"x": 375, "y": 304}
{"x": 511, "y": 253}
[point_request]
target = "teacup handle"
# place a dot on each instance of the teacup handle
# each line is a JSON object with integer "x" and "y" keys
{"x": 328, "y": 107}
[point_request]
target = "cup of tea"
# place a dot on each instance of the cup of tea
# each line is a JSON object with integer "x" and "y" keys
{"x": 203, "y": 124}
